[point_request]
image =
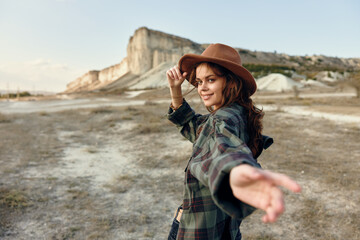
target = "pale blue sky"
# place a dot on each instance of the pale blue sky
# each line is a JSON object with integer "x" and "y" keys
{"x": 45, "y": 44}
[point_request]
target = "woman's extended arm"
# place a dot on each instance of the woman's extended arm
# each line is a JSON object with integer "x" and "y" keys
{"x": 260, "y": 189}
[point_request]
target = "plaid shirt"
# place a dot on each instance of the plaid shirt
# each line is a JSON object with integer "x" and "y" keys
{"x": 210, "y": 211}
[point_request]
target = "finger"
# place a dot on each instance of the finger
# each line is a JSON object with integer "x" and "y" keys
{"x": 265, "y": 218}
{"x": 284, "y": 181}
{"x": 275, "y": 206}
{"x": 277, "y": 201}
{"x": 178, "y": 73}
{"x": 184, "y": 74}
{"x": 270, "y": 216}
{"x": 170, "y": 74}
{"x": 174, "y": 72}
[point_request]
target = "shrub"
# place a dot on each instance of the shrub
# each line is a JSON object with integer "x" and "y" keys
{"x": 261, "y": 69}
{"x": 13, "y": 198}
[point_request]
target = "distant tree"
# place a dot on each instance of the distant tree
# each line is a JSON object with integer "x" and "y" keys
{"x": 354, "y": 81}
{"x": 25, "y": 94}
{"x": 15, "y": 95}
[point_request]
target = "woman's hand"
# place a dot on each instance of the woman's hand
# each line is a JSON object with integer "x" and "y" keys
{"x": 260, "y": 189}
{"x": 174, "y": 77}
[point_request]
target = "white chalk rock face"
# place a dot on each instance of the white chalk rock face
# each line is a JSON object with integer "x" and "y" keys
{"x": 114, "y": 72}
{"x": 276, "y": 82}
{"x": 138, "y": 53}
{"x": 148, "y": 49}
{"x": 84, "y": 82}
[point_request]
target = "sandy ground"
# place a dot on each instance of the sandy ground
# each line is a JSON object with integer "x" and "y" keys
{"x": 112, "y": 168}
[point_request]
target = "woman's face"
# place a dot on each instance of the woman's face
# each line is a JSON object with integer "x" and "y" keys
{"x": 209, "y": 86}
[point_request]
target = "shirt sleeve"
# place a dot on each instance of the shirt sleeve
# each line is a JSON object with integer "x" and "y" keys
{"x": 223, "y": 150}
{"x": 185, "y": 119}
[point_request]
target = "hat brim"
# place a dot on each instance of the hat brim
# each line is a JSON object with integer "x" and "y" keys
{"x": 188, "y": 61}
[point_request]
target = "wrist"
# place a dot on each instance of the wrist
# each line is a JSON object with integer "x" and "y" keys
{"x": 175, "y": 87}
{"x": 176, "y": 94}
{"x": 177, "y": 97}
{"x": 176, "y": 107}
{"x": 176, "y": 90}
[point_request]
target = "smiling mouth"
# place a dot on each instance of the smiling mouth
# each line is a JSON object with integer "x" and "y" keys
{"x": 206, "y": 97}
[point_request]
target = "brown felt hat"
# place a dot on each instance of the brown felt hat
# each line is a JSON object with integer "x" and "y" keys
{"x": 223, "y": 55}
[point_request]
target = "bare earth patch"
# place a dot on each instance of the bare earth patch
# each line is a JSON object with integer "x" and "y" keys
{"x": 116, "y": 173}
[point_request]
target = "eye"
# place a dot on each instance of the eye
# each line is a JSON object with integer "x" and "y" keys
{"x": 211, "y": 80}
{"x": 199, "y": 82}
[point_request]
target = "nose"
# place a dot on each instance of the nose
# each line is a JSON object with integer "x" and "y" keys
{"x": 203, "y": 86}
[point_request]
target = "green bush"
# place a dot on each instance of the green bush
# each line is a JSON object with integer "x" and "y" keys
{"x": 259, "y": 70}
{"x": 14, "y": 95}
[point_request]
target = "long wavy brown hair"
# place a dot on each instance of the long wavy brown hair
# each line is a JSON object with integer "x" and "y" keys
{"x": 235, "y": 92}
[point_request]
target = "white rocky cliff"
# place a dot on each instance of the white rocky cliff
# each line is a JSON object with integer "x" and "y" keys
{"x": 147, "y": 50}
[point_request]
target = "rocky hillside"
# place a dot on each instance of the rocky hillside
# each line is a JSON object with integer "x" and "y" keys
{"x": 150, "y": 53}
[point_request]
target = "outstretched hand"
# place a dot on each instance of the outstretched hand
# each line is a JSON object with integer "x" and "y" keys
{"x": 260, "y": 189}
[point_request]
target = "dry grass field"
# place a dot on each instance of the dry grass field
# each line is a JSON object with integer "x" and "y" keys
{"x": 117, "y": 172}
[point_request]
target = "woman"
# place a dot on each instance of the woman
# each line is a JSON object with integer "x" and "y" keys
{"x": 223, "y": 181}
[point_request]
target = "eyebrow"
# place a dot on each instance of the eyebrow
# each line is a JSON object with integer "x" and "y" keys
{"x": 207, "y": 77}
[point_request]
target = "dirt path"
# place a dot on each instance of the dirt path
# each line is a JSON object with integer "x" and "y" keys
{"x": 116, "y": 173}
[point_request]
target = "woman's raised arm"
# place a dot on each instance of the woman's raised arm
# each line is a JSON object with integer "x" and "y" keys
{"x": 175, "y": 79}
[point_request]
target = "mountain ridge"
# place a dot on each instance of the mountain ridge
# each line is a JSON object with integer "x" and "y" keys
{"x": 147, "y": 49}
